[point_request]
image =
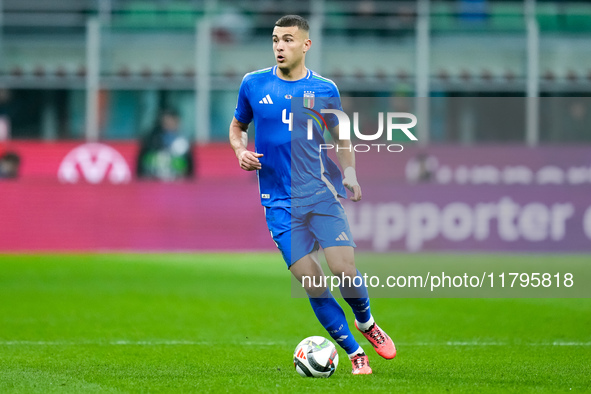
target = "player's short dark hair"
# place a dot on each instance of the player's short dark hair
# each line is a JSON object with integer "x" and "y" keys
{"x": 293, "y": 20}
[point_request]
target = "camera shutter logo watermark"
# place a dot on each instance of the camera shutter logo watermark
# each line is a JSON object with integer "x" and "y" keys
{"x": 392, "y": 125}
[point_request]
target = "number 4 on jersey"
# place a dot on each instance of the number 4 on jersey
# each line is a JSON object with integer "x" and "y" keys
{"x": 287, "y": 120}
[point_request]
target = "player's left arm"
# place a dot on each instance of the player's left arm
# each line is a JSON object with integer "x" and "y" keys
{"x": 346, "y": 157}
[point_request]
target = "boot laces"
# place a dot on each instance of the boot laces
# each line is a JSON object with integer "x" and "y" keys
{"x": 359, "y": 362}
{"x": 376, "y": 334}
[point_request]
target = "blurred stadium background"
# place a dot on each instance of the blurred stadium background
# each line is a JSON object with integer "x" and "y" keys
{"x": 510, "y": 79}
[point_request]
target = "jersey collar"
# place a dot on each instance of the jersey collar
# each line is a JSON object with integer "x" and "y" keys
{"x": 308, "y": 74}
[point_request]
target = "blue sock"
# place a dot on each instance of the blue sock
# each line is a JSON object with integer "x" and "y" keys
{"x": 331, "y": 316}
{"x": 358, "y": 299}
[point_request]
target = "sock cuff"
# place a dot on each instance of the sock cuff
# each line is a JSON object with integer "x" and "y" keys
{"x": 365, "y": 325}
{"x": 355, "y": 353}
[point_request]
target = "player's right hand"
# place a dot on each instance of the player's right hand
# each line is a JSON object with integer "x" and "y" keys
{"x": 350, "y": 182}
{"x": 249, "y": 161}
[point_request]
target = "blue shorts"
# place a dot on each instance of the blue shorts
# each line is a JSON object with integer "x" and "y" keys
{"x": 298, "y": 231}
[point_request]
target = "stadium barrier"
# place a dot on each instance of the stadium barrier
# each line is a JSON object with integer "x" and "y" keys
{"x": 497, "y": 198}
{"x": 85, "y": 197}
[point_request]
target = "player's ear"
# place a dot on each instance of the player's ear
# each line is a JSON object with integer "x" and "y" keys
{"x": 307, "y": 44}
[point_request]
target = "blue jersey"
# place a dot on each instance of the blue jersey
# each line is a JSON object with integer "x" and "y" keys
{"x": 310, "y": 175}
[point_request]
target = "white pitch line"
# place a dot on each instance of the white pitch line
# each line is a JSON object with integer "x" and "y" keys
{"x": 571, "y": 343}
{"x": 451, "y": 343}
{"x": 134, "y": 343}
{"x": 251, "y": 343}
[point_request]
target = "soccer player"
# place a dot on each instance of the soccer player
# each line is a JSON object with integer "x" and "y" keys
{"x": 300, "y": 192}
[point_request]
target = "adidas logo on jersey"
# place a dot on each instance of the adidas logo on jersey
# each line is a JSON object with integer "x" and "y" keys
{"x": 266, "y": 100}
{"x": 342, "y": 237}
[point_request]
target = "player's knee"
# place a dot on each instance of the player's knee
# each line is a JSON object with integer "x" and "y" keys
{"x": 350, "y": 272}
{"x": 347, "y": 271}
{"x": 314, "y": 291}
{"x": 314, "y": 285}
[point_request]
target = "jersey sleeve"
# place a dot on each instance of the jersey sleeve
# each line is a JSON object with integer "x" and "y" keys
{"x": 243, "y": 112}
{"x": 334, "y": 103}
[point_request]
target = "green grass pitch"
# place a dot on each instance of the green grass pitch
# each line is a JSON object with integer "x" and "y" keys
{"x": 227, "y": 323}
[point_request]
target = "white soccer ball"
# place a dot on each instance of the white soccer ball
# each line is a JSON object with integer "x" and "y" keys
{"x": 315, "y": 357}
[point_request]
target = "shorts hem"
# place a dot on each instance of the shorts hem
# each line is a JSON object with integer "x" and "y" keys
{"x": 338, "y": 243}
